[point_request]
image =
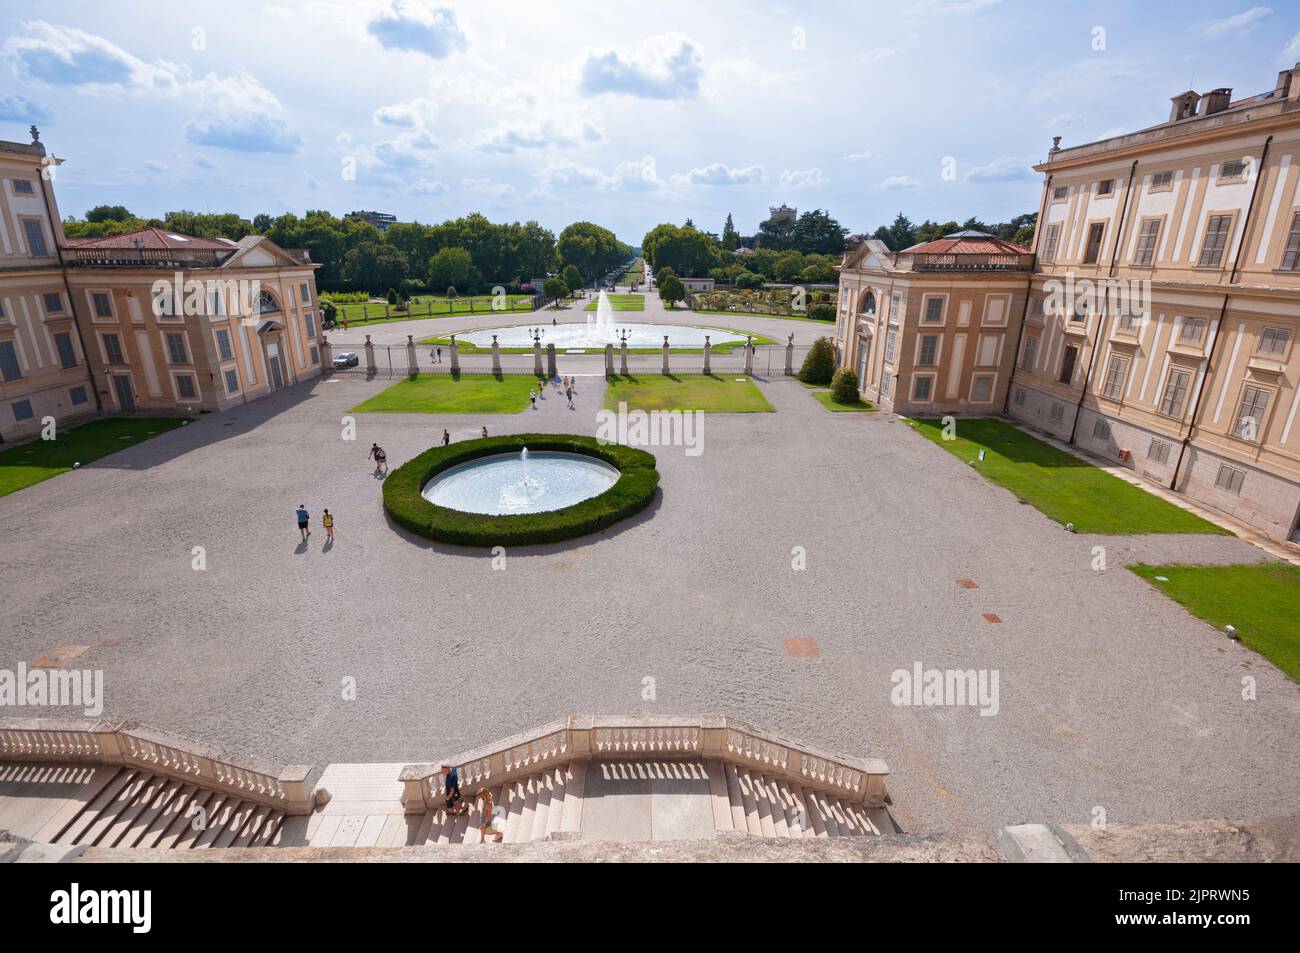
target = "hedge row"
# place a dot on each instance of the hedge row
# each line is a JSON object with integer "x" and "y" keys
{"x": 632, "y": 493}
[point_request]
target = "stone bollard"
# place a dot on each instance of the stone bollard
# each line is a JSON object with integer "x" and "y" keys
{"x": 622, "y": 358}
{"x": 455, "y": 356}
{"x": 412, "y": 366}
{"x": 749, "y": 356}
{"x": 609, "y": 360}
{"x": 537, "y": 356}
{"x": 666, "y": 354}
{"x": 789, "y": 357}
{"x": 496, "y": 356}
{"x": 326, "y": 356}
{"x": 708, "y": 351}
{"x": 551, "y": 372}
{"x": 370, "y": 358}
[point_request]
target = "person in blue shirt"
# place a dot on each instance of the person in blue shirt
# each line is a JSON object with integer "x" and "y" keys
{"x": 452, "y": 800}
{"x": 304, "y": 521}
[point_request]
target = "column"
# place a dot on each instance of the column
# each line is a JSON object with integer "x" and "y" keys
{"x": 496, "y": 356}
{"x": 370, "y": 358}
{"x": 412, "y": 366}
{"x": 550, "y": 360}
{"x": 609, "y": 360}
{"x": 708, "y": 352}
{"x": 455, "y": 356}
{"x": 537, "y": 354}
{"x": 789, "y": 357}
{"x": 666, "y": 354}
{"x": 749, "y": 355}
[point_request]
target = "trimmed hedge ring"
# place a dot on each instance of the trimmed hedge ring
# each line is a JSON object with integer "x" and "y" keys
{"x": 630, "y": 494}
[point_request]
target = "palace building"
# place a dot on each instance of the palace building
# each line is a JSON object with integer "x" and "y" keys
{"x": 1155, "y": 324}
{"x": 147, "y": 322}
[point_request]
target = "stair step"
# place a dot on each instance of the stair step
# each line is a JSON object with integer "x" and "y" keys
{"x": 780, "y": 815}
{"x": 144, "y": 797}
{"x": 231, "y": 830}
{"x": 514, "y": 811}
{"x": 735, "y": 800}
{"x": 544, "y": 795}
{"x": 253, "y": 827}
{"x": 718, "y": 798}
{"x": 165, "y": 818}
{"x": 145, "y": 818}
{"x": 559, "y": 794}
{"x": 753, "y": 823}
{"x": 66, "y": 815}
{"x": 87, "y": 816}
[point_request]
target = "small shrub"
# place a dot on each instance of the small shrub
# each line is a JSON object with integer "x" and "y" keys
{"x": 822, "y": 312}
{"x": 749, "y": 281}
{"x": 844, "y": 386}
{"x": 819, "y": 366}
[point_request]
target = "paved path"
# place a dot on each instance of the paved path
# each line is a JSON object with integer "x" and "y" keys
{"x": 1110, "y": 694}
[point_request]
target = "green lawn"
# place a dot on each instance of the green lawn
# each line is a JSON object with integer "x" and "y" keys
{"x": 444, "y": 394}
{"x": 1063, "y": 487}
{"x": 429, "y": 306}
{"x": 823, "y": 397}
{"x": 1260, "y": 600}
{"x": 728, "y": 395}
{"x": 31, "y": 463}
{"x": 759, "y": 314}
{"x": 620, "y": 303}
{"x": 464, "y": 347}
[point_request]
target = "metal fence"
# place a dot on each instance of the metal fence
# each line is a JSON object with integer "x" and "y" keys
{"x": 394, "y": 361}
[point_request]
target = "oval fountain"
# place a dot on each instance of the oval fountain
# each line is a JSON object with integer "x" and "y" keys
{"x": 513, "y": 483}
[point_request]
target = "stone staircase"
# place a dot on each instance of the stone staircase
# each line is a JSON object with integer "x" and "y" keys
{"x": 589, "y": 778}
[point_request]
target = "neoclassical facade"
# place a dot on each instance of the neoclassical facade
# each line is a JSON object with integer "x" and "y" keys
{"x": 147, "y": 322}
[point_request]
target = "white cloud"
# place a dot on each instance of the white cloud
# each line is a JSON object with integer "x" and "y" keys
{"x": 1099, "y": 75}
{"x": 509, "y": 137}
{"x": 66, "y": 56}
{"x": 1238, "y": 24}
{"x": 312, "y": 182}
{"x": 15, "y": 108}
{"x": 858, "y": 156}
{"x": 1001, "y": 169}
{"x": 487, "y": 187}
{"x": 1292, "y": 51}
{"x": 634, "y": 175}
{"x": 896, "y": 182}
{"x": 241, "y": 115}
{"x": 417, "y": 27}
{"x": 415, "y": 113}
{"x": 203, "y": 162}
{"x": 666, "y": 67}
{"x": 153, "y": 165}
{"x": 720, "y": 174}
{"x": 426, "y": 187}
{"x": 637, "y": 175}
{"x": 802, "y": 178}
{"x": 1061, "y": 120}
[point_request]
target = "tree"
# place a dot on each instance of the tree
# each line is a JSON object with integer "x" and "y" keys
{"x": 789, "y": 266}
{"x": 572, "y": 279}
{"x": 730, "y": 237}
{"x": 844, "y": 386}
{"x": 593, "y": 250}
{"x": 686, "y": 250}
{"x": 671, "y": 289}
{"x": 819, "y": 366}
{"x": 373, "y": 265}
{"x": 816, "y": 232}
{"x": 108, "y": 213}
{"x": 902, "y": 234}
{"x": 748, "y": 280}
{"x": 555, "y": 289}
{"x": 776, "y": 234}
{"x": 452, "y": 267}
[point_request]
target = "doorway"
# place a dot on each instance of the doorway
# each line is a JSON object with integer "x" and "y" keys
{"x": 125, "y": 396}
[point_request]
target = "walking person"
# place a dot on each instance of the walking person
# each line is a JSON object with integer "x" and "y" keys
{"x": 452, "y": 800}
{"x": 532, "y": 397}
{"x": 438, "y": 351}
{"x": 327, "y": 520}
{"x": 381, "y": 458}
{"x": 446, "y": 438}
{"x": 304, "y": 521}
{"x": 485, "y": 431}
{"x": 568, "y": 392}
{"x": 487, "y": 819}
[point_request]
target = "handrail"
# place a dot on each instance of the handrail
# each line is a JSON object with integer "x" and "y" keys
{"x": 139, "y": 746}
{"x": 589, "y": 737}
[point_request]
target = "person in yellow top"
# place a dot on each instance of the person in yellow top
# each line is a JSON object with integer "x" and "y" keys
{"x": 327, "y": 520}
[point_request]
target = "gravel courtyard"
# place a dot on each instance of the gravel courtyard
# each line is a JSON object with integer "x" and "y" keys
{"x": 1111, "y": 696}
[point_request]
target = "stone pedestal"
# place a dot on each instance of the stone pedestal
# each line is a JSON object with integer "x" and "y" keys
{"x": 412, "y": 366}
{"x": 666, "y": 354}
{"x": 708, "y": 352}
{"x": 496, "y": 356}
{"x": 550, "y": 361}
{"x": 455, "y": 356}
{"x": 609, "y": 360}
{"x": 622, "y": 358}
{"x": 537, "y": 356}
{"x": 789, "y": 357}
{"x": 370, "y": 358}
{"x": 326, "y": 356}
{"x": 749, "y": 356}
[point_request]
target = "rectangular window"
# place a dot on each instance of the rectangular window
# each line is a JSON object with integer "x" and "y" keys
{"x": 1093, "y": 250}
{"x": 1059, "y": 193}
{"x": 981, "y": 389}
{"x": 933, "y": 310}
{"x": 67, "y": 356}
{"x": 103, "y": 304}
{"x": 1047, "y": 253}
{"x": 1067, "y": 364}
{"x": 223, "y": 345}
{"x": 232, "y": 381}
{"x": 1273, "y": 341}
{"x": 1116, "y": 372}
{"x": 889, "y": 348}
{"x": 1020, "y": 397}
{"x": 1105, "y": 186}
{"x": 306, "y": 296}
{"x": 1146, "y": 250}
{"x": 1129, "y": 322}
{"x": 53, "y": 302}
{"x": 78, "y": 395}
{"x": 1230, "y": 479}
{"x": 929, "y": 348}
{"x": 22, "y": 410}
{"x": 1216, "y": 239}
{"x": 176, "y": 352}
{"x": 1158, "y": 452}
{"x": 1058, "y": 411}
{"x": 1291, "y": 257}
{"x": 113, "y": 349}
{"x": 309, "y": 321}
{"x": 1171, "y": 405}
{"x": 36, "y": 246}
{"x": 1232, "y": 169}
{"x": 1101, "y": 429}
{"x": 315, "y": 355}
{"x": 884, "y": 385}
{"x": 898, "y": 299}
{"x": 1031, "y": 354}
{"x": 1250, "y": 417}
{"x": 1162, "y": 180}
{"x": 921, "y": 388}
{"x": 1191, "y": 331}
{"x": 185, "y": 386}
{"x": 9, "y": 367}
{"x": 23, "y": 187}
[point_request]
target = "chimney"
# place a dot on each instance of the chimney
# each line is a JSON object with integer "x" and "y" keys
{"x": 1184, "y": 106}
{"x": 1216, "y": 100}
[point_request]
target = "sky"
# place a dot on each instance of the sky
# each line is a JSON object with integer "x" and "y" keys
{"x": 626, "y": 114}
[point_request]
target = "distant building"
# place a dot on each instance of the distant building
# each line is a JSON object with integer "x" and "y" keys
{"x": 381, "y": 220}
{"x": 698, "y": 284}
{"x": 782, "y": 213}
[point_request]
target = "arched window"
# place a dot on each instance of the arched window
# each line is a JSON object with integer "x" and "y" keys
{"x": 868, "y": 305}
{"x": 266, "y": 302}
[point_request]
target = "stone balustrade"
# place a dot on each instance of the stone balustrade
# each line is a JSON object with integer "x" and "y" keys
{"x": 588, "y": 737}
{"x": 138, "y": 746}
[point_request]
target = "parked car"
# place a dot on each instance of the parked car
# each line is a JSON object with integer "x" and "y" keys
{"x": 346, "y": 359}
